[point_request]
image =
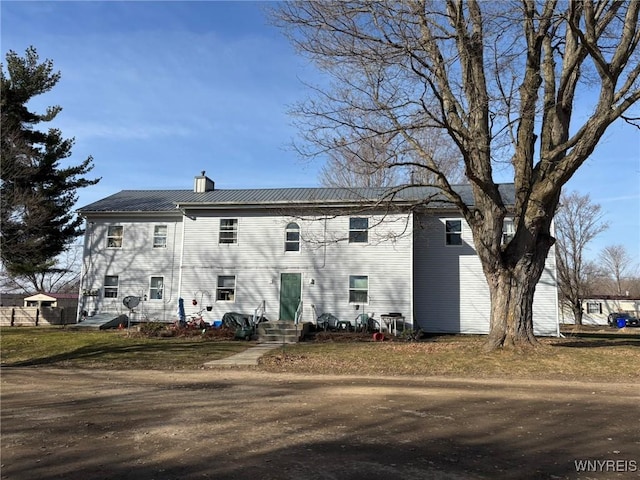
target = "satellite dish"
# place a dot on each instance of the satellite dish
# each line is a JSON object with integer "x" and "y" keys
{"x": 131, "y": 302}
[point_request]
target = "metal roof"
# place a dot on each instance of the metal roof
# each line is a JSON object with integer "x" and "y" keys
{"x": 168, "y": 200}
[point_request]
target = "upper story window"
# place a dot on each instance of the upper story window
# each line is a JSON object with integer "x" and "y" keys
{"x": 228, "y": 230}
{"x": 358, "y": 289}
{"x": 155, "y": 288}
{"x": 111, "y": 286}
{"x": 226, "y": 290}
{"x": 114, "y": 236}
{"x": 160, "y": 236}
{"x": 358, "y": 230}
{"x": 292, "y": 238}
{"x": 453, "y": 232}
{"x": 508, "y": 230}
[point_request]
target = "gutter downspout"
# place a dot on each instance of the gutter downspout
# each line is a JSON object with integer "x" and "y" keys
{"x": 88, "y": 240}
{"x": 180, "y": 266}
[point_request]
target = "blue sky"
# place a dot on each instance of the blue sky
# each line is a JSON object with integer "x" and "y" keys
{"x": 158, "y": 91}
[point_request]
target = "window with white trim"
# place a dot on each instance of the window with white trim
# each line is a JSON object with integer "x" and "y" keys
{"x": 292, "y": 238}
{"x": 160, "y": 236}
{"x": 453, "y": 232}
{"x": 228, "y": 230}
{"x": 358, "y": 230}
{"x": 114, "y": 236}
{"x": 111, "y": 283}
{"x": 358, "y": 289}
{"x": 594, "y": 307}
{"x": 156, "y": 286}
{"x": 226, "y": 289}
{"x": 508, "y": 230}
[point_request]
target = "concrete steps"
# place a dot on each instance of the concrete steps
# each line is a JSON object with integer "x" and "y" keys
{"x": 281, "y": 331}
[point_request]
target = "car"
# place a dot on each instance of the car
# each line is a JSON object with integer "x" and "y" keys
{"x": 629, "y": 320}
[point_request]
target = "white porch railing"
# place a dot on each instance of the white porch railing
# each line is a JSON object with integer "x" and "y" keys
{"x": 259, "y": 312}
{"x": 298, "y": 313}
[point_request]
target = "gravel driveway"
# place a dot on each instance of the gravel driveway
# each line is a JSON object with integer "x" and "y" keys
{"x": 246, "y": 424}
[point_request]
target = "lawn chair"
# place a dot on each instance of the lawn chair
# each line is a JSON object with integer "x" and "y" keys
{"x": 326, "y": 321}
{"x": 366, "y": 323}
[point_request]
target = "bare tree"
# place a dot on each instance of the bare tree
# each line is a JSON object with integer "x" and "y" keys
{"x": 378, "y": 161}
{"x": 616, "y": 263}
{"x": 365, "y": 163}
{"x": 577, "y": 223}
{"x": 62, "y": 277}
{"x": 500, "y": 79}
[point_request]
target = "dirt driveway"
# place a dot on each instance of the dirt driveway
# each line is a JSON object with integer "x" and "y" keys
{"x": 244, "y": 424}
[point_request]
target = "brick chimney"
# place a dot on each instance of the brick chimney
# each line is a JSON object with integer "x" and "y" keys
{"x": 202, "y": 184}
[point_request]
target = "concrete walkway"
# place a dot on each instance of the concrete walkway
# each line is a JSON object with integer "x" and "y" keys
{"x": 249, "y": 357}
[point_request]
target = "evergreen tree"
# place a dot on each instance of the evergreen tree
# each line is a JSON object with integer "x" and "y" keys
{"x": 37, "y": 193}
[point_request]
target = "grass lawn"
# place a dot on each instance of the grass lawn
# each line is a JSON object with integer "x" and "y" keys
{"x": 464, "y": 356}
{"x": 604, "y": 359}
{"x": 112, "y": 349}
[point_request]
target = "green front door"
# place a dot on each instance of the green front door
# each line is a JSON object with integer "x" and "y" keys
{"x": 290, "y": 291}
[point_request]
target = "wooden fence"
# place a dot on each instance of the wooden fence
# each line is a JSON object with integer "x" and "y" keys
{"x": 34, "y": 316}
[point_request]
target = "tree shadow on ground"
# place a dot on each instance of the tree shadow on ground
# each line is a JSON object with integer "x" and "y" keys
{"x": 264, "y": 427}
{"x": 104, "y": 352}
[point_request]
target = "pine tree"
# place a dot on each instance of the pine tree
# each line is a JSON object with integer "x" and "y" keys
{"x": 37, "y": 193}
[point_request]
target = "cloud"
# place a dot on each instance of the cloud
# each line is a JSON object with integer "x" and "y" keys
{"x": 620, "y": 198}
{"x": 137, "y": 131}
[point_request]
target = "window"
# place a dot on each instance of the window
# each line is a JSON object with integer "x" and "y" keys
{"x": 358, "y": 289}
{"x": 508, "y": 230}
{"x": 228, "y": 230}
{"x": 292, "y": 238}
{"x": 358, "y": 230}
{"x": 594, "y": 307}
{"x": 155, "y": 288}
{"x": 114, "y": 236}
{"x": 226, "y": 290}
{"x": 453, "y": 232}
{"x": 111, "y": 286}
{"x": 160, "y": 236}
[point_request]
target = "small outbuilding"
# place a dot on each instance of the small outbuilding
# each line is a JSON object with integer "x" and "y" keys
{"x": 54, "y": 300}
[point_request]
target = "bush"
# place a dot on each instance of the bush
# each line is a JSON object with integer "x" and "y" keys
{"x": 153, "y": 329}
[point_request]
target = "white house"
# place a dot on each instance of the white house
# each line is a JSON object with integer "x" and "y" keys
{"x": 312, "y": 250}
{"x": 596, "y": 309}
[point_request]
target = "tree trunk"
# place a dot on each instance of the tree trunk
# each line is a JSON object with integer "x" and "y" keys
{"x": 512, "y": 290}
{"x": 577, "y": 312}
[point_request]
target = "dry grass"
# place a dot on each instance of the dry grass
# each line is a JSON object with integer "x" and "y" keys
{"x": 110, "y": 349}
{"x": 604, "y": 359}
{"x": 588, "y": 359}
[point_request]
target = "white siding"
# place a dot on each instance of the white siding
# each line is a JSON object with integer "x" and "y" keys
{"x": 409, "y": 267}
{"x": 325, "y": 262}
{"x": 451, "y": 293}
{"x": 134, "y": 264}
